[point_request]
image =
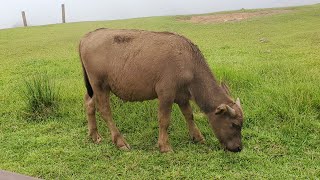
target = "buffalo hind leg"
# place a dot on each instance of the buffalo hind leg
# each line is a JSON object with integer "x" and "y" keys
{"x": 164, "y": 113}
{"x": 194, "y": 132}
{"x": 91, "y": 116}
{"x": 103, "y": 101}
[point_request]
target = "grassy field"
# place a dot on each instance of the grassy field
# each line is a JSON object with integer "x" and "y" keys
{"x": 272, "y": 63}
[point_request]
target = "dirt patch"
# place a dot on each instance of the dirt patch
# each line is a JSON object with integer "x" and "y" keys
{"x": 231, "y": 17}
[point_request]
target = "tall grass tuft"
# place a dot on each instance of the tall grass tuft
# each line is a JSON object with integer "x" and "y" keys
{"x": 41, "y": 98}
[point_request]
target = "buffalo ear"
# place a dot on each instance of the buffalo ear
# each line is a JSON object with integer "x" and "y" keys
{"x": 222, "y": 108}
{"x": 225, "y": 88}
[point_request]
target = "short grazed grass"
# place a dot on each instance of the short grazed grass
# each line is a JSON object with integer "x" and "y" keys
{"x": 272, "y": 63}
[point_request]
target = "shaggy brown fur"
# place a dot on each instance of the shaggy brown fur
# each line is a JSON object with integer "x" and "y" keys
{"x": 141, "y": 65}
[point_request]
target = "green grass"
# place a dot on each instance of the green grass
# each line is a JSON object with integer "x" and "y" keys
{"x": 41, "y": 98}
{"x": 278, "y": 82}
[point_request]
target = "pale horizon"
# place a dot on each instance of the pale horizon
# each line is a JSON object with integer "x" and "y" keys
{"x": 49, "y": 12}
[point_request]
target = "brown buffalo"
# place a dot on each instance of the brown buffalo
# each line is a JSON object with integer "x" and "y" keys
{"x": 139, "y": 65}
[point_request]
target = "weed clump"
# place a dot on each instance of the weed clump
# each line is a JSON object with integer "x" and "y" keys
{"x": 41, "y": 98}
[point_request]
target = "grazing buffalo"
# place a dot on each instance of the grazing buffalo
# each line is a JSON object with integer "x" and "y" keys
{"x": 139, "y": 65}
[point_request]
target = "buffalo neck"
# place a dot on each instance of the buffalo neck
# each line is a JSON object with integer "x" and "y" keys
{"x": 206, "y": 91}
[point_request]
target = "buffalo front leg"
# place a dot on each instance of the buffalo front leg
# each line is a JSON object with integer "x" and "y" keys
{"x": 103, "y": 101}
{"x": 194, "y": 132}
{"x": 164, "y": 113}
{"x": 91, "y": 116}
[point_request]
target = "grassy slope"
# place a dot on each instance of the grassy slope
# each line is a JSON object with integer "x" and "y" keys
{"x": 277, "y": 81}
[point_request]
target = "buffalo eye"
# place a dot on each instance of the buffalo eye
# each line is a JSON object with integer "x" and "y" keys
{"x": 234, "y": 125}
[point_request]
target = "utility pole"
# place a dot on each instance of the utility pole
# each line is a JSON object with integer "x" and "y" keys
{"x": 24, "y": 19}
{"x": 63, "y": 13}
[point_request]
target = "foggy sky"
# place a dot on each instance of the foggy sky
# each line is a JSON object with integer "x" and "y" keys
{"x": 41, "y": 12}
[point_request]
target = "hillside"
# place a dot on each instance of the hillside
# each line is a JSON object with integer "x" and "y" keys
{"x": 271, "y": 62}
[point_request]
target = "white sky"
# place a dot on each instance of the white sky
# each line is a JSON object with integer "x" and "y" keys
{"x": 41, "y": 12}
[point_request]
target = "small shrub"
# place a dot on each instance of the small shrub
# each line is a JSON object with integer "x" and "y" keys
{"x": 41, "y": 98}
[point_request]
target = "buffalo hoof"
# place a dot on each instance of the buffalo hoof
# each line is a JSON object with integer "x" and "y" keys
{"x": 165, "y": 148}
{"x": 96, "y": 138}
{"x": 198, "y": 138}
{"x": 124, "y": 148}
{"x": 200, "y": 141}
{"x": 121, "y": 143}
